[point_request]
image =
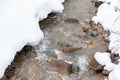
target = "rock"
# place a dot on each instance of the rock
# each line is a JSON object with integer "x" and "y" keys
{"x": 114, "y": 58}
{"x": 27, "y": 49}
{"x": 61, "y": 66}
{"x": 71, "y": 20}
{"x": 75, "y": 68}
{"x": 46, "y": 22}
{"x": 70, "y": 49}
{"x": 9, "y": 72}
{"x": 98, "y": 3}
{"x": 50, "y": 53}
{"x": 90, "y": 30}
{"x": 92, "y": 24}
{"x": 4, "y": 78}
{"x": 106, "y": 37}
{"x": 94, "y": 65}
{"x": 94, "y": 33}
{"x": 85, "y": 29}
{"x": 91, "y": 46}
{"x": 66, "y": 47}
{"x": 105, "y": 72}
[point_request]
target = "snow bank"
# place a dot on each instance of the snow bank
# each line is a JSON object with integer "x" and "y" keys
{"x": 109, "y": 16}
{"x": 19, "y": 25}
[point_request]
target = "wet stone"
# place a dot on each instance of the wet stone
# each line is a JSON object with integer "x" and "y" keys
{"x": 27, "y": 48}
{"x": 85, "y": 28}
{"x": 71, "y": 49}
{"x": 98, "y": 3}
{"x": 115, "y": 58}
{"x": 71, "y": 20}
{"x": 75, "y": 68}
{"x": 106, "y": 37}
{"x": 92, "y": 24}
{"x": 50, "y": 53}
{"x": 9, "y": 72}
{"x": 94, "y": 33}
{"x": 105, "y": 72}
{"x": 94, "y": 65}
{"x": 61, "y": 66}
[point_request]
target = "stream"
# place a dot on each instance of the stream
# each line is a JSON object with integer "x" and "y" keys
{"x": 69, "y": 39}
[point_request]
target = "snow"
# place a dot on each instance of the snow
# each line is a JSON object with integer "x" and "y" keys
{"x": 108, "y": 15}
{"x": 105, "y": 60}
{"x": 19, "y": 25}
{"x": 102, "y": 58}
{"x": 114, "y": 75}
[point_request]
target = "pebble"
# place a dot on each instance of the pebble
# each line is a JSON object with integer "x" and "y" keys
{"x": 94, "y": 33}
{"x": 75, "y": 68}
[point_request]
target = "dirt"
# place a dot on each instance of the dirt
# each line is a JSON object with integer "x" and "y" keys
{"x": 69, "y": 36}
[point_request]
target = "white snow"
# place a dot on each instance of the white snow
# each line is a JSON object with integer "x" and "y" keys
{"x": 114, "y": 75}
{"x": 19, "y": 25}
{"x": 102, "y": 58}
{"x": 105, "y": 60}
{"x": 109, "y": 16}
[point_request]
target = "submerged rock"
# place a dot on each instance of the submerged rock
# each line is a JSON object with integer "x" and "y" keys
{"x": 71, "y": 20}
{"x": 94, "y": 33}
{"x": 75, "y": 68}
{"x": 94, "y": 65}
{"x": 61, "y": 66}
{"x": 71, "y": 49}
